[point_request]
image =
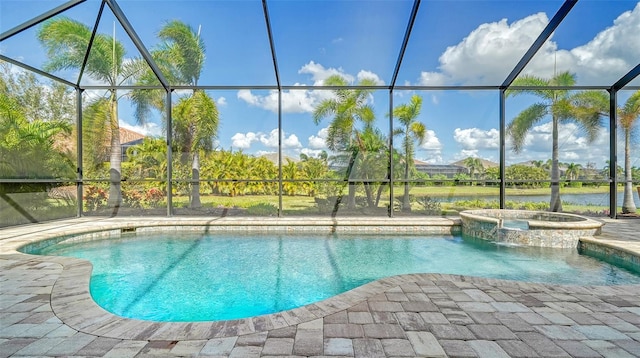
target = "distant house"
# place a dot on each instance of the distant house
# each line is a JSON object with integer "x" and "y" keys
{"x": 486, "y": 164}
{"x": 448, "y": 170}
{"x": 273, "y": 158}
{"x": 129, "y": 138}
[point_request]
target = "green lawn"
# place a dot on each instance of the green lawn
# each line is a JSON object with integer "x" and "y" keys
{"x": 293, "y": 205}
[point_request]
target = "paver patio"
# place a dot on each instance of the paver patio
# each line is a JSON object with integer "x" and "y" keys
{"x": 45, "y": 310}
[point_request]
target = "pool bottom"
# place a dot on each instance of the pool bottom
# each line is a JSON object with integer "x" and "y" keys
{"x": 298, "y": 275}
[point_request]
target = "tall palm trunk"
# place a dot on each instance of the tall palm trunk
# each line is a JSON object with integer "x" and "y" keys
{"x": 195, "y": 177}
{"x": 351, "y": 200}
{"x": 628, "y": 206}
{"x": 555, "y": 204}
{"x": 115, "y": 161}
{"x": 406, "y": 203}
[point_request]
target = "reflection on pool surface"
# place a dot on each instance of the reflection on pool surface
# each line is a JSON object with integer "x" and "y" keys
{"x": 188, "y": 277}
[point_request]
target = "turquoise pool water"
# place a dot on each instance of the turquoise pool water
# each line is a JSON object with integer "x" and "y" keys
{"x": 215, "y": 277}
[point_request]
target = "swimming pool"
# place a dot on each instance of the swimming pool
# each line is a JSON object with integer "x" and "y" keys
{"x": 203, "y": 277}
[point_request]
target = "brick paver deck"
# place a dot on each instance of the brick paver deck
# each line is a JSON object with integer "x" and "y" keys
{"x": 45, "y": 310}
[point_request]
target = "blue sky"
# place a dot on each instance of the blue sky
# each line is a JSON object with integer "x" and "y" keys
{"x": 453, "y": 43}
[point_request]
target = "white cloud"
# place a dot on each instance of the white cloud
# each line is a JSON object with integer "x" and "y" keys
{"x": 613, "y": 52}
{"x": 466, "y": 153}
{"x": 573, "y": 145}
{"x": 271, "y": 140}
{"x": 482, "y": 56}
{"x": 489, "y": 51}
{"x": 432, "y": 143}
{"x": 432, "y": 79}
{"x": 148, "y": 129}
{"x": 473, "y": 139}
{"x": 319, "y": 73}
{"x": 433, "y": 148}
{"x": 243, "y": 140}
{"x": 221, "y": 101}
{"x": 371, "y": 76}
{"x": 434, "y": 99}
{"x": 319, "y": 142}
{"x": 302, "y": 101}
{"x": 248, "y": 97}
{"x": 314, "y": 153}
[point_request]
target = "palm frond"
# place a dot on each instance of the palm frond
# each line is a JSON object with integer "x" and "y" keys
{"x": 186, "y": 48}
{"x": 530, "y": 81}
{"x": 523, "y": 122}
{"x": 630, "y": 112}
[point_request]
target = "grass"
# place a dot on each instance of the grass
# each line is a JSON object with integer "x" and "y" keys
{"x": 300, "y": 205}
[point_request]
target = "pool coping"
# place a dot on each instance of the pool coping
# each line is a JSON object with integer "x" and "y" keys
{"x": 72, "y": 303}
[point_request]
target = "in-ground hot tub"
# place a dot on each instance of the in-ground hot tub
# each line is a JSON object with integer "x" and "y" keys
{"x": 531, "y": 228}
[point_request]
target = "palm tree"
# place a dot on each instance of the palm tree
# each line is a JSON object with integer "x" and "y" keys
{"x": 573, "y": 171}
{"x": 628, "y": 117}
{"x": 181, "y": 58}
{"x": 347, "y": 106}
{"x": 475, "y": 166}
{"x": 411, "y": 130}
{"x": 371, "y": 161}
{"x": 582, "y": 108}
{"x": 66, "y": 42}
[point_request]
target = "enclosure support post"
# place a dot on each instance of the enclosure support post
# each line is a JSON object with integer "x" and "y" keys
{"x": 613, "y": 153}
{"x": 279, "y": 152}
{"x": 502, "y": 148}
{"x": 169, "y": 154}
{"x": 79, "y": 174}
{"x": 390, "y": 171}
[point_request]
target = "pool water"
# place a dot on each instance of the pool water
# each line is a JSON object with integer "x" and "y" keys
{"x": 215, "y": 277}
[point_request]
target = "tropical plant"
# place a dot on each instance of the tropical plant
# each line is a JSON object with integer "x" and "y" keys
{"x": 573, "y": 171}
{"x": 519, "y": 175}
{"x": 147, "y": 160}
{"x": 475, "y": 166}
{"x": 628, "y": 118}
{"x": 67, "y": 43}
{"x": 606, "y": 170}
{"x": 313, "y": 168}
{"x": 411, "y": 130}
{"x": 347, "y": 107}
{"x": 289, "y": 174}
{"x": 370, "y": 162}
{"x": 195, "y": 117}
{"x": 564, "y": 106}
{"x": 30, "y": 148}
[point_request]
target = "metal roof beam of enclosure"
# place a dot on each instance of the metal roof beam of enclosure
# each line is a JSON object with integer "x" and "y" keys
{"x": 277, "y": 73}
{"x": 271, "y": 43}
{"x": 38, "y": 19}
{"x": 627, "y": 78}
{"x": 40, "y": 72}
{"x": 93, "y": 36}
{"x": 544, "y": 35}
{"x": 405, "y": 41}
{"x": 117, "y": 11}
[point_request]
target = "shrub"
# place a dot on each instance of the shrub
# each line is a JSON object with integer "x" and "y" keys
{"x": 430, "y": 205}
{"x": 153, "y": 197}
{"x": 132, "y": 198}
{"x": 95, "y": 198}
